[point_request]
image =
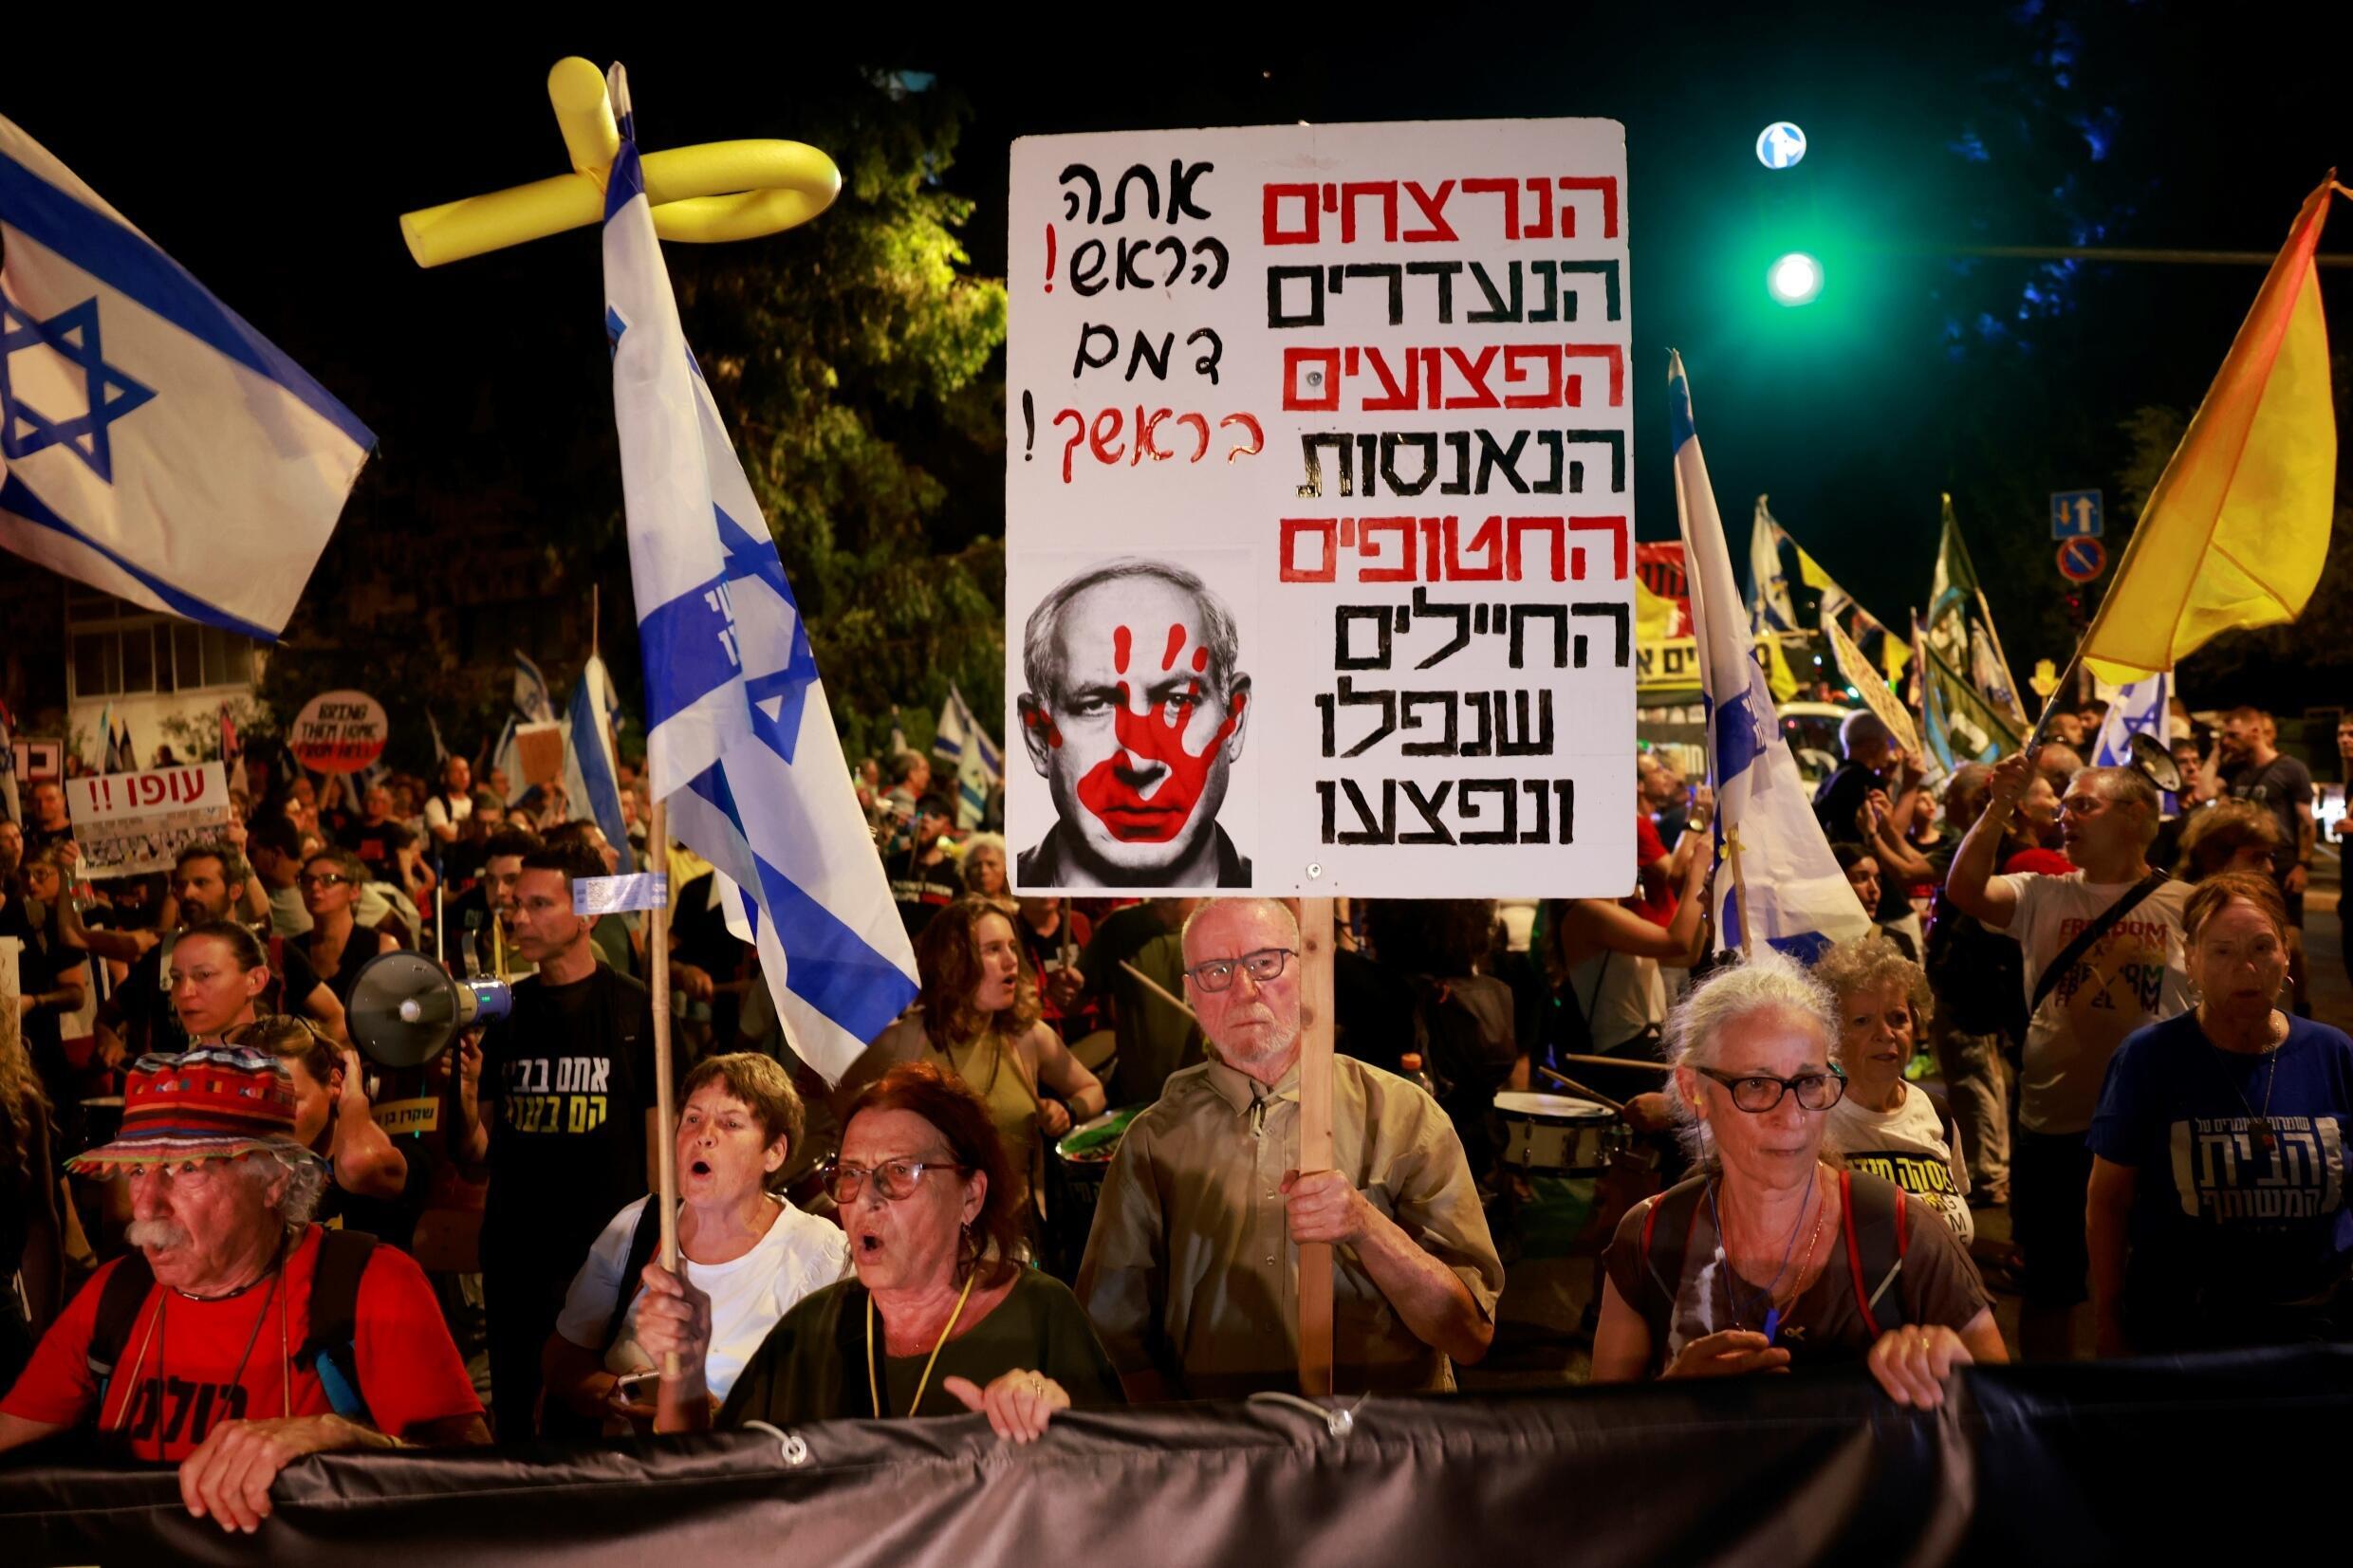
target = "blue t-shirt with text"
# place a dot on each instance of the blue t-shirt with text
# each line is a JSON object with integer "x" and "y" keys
{"x": 2216, "y": 1208}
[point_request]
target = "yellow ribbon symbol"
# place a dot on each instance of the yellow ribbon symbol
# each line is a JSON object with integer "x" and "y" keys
{"x": 719, "y": 191}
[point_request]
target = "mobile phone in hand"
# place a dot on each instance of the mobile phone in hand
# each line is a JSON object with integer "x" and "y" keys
{"x": 636, "y": 1388}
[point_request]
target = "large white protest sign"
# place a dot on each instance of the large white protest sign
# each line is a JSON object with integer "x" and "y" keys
{"x": 131, "y": 823}
{"x": 1320, "y": 511}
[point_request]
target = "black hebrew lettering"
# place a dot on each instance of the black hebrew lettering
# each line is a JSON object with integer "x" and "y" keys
{"x": 1215, "y": 248}
{"x": 1622, "y": 621}
{"x": 1152, "y": 193}
{"x": 1483, "y": 811}
{"x": 1207, "y": 363}
{"x": 1094, "y": 191}
{"x": 1342, "y": 658}
{"x": 1449, "y": 742}
{"x": 1180, "y": 203}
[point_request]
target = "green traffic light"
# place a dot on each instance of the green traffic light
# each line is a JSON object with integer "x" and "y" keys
{"x": 1793, "y": 280}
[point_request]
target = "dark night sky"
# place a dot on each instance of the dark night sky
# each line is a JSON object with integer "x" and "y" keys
{"x": 277, "y": 179}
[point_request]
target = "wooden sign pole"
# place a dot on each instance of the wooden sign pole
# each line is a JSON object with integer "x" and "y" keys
{"x": 657, "y": 971}
{"x": 1315, "y": 1135}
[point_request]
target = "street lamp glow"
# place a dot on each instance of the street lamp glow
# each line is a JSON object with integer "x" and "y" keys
{"x": 1795, "y": 279}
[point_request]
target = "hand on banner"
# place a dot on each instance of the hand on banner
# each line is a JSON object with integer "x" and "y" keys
{"x": 227, "y": 1478}
{"x": 1323, "y": 1208}
{"x": 1733, "y": 1353}
{"x": 1018, "y": 1404}
{"x": 1912, "y": 1363}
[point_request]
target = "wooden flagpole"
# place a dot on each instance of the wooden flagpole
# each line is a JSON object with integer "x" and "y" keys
{"x": 1315, "y": 1135}
{"x": 657, "y": 966}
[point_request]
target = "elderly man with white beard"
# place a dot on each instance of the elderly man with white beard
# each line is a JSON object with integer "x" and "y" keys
{"x": 240, "y": 1336}
{"x": 1192, "y": 1270}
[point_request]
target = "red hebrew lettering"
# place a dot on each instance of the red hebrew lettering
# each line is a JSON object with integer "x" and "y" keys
{"x": 1270, "y": 216}
{"x": 1098, "y": 439}
{"x": 1320, "y": 380}
{"x": 1258, "y": 436}
{"x": 1615, "y": 528}
{"x": 1386, "y": 191}
{"x": 1475, "y": 373}
{"x": 1287, "y": 559}
{"x": 1488, "y": 538}
{"x": 1433, "y": 207}
{"x": 1144, "y": 443}
{"x": 1392, "y": 396}
{"x": 1506, "y": 189}
{"x": 1078, "y": 433}
{"x": 1516, "y": 528}
{"x": 1605, "y": 184}
{"x": 1200, "y": 429}
{"x": 1145, "y": 792}
{"x": 1614, "y": 355}
{"x": 1539, "y": 227}
{"x": 1367, "y": 550}
{"x": 1546, "y": 355}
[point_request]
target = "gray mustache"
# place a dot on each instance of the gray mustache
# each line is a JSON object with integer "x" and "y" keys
{"x": 156, "y": 1233}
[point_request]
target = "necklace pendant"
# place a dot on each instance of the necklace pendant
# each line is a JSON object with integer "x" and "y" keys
{"x": 2264, "y": 1139}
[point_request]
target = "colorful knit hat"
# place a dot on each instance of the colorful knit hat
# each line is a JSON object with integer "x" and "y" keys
{"x": 212, "y": 1103}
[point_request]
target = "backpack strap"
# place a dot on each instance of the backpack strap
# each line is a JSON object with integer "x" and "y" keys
{"x": 643, "y": 1241}
{"x": 327, "y": 1349}
{"x": 1664, "y": 1260}
{"x": 128, "y": 1284}
{"x": 1879, "y": 1234}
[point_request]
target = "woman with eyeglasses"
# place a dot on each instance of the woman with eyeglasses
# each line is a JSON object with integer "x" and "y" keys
{"x": 977, "y": 1017}
{"x": 1773, "y": 1256}
{"x": 338, "y": 946}
{"x": 940, "y": 1317}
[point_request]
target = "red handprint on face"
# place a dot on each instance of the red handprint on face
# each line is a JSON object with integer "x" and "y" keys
{"x": 1145, "y": 792}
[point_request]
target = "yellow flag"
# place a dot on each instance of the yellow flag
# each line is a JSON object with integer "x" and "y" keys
{"x": 1653, "y": 614}
{"x": 1777, "y": 674}
{"x": 2236, "y": 530}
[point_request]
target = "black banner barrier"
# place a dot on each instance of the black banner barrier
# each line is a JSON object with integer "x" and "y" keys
{"x": 2147, "y": 1460}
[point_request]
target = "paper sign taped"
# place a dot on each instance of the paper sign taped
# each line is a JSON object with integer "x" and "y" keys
{"x": 406, "y": 1117}
{"x": 647, "y": 890}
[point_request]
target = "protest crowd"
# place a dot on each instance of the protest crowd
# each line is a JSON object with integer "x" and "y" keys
{"x": 1066, "y": 1175}
{"x": 581, "y": 1095}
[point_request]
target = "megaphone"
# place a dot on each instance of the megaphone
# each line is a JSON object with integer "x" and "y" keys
{"x": 2156, "y": 763}
{"x": 405, "y": 1010}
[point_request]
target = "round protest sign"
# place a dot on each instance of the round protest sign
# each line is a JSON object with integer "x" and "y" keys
{"x": 339, "y": 732}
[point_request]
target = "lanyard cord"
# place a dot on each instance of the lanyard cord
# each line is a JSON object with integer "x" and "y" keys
{"x": 1724, "y": 1246}
{"x": 874, "y": 1386}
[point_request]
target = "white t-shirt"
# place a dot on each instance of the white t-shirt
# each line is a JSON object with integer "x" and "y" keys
{"x": 800, "y": 1254}
{"x": 2131, "y": 977}
{"x": 1911, "y": 1147}
{"x": 441, "y": 810}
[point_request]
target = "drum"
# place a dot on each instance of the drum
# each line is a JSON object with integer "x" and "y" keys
{"x": 1074, "y": 1182}
{"x": 1556, "y": 1134}
{"x": 101, "y": 1119}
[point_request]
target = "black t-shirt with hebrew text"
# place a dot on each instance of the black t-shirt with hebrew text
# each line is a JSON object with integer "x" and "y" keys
{"x": 567, "y": 1081}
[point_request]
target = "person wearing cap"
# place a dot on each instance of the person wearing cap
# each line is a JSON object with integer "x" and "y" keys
{"x": 215, "y": 1371}
{"x": 923, "y": 879}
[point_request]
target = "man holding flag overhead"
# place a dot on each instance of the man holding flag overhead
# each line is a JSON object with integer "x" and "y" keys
{"x": 740, "y": 740}
{"x": 1785, "y": 888}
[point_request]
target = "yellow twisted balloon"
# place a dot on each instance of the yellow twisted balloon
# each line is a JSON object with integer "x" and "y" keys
{"x": 719, "y": 191}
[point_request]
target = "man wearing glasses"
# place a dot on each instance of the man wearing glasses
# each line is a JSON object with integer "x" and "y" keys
{"x": 1192, "y": 1271}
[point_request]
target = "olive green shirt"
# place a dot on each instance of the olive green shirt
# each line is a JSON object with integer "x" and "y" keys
{"x": 813, "y": 1365}
{"x": 1191, "y": 1271}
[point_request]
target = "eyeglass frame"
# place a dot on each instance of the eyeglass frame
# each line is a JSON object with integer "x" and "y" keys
{"x": 1241, "y": 962}
{"x": 323, "y": 880}
{"x": 1787, "y": 1087}
{"x": 833, "y": 1170}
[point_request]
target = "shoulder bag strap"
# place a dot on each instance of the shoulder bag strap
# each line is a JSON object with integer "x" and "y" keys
{"x": 2090, "y": 937}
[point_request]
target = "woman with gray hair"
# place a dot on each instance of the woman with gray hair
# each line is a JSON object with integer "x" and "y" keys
{"x": 1773, "y": 1254}
{"x": 1884, "y": 1125}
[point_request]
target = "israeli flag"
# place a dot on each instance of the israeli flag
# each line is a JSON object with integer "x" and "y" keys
{"x": 592, "y": 759}
{"x": 2141, "y": 709}
{"x": 739, "y": 737}
{"x": 532, "y": 702}
{"x": 152, "y": 443}
{"x": 1798, "y": 900}
{"x": 959, "y": 741}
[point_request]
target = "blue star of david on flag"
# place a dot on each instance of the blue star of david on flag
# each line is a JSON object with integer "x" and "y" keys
{"x": 72, "y": 336}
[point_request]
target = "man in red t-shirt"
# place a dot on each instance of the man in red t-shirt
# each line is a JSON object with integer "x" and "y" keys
{"x": 208, "y": 1376}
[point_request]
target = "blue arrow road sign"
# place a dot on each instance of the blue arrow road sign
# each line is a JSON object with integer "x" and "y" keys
{"x": 2075, "y": 514}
